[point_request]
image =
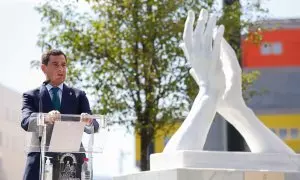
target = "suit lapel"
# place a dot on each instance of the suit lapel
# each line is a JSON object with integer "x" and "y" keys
{"x": 46, "y": 100}
{"x": 65, "y": 99}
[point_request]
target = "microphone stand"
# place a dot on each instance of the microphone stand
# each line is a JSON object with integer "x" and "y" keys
{"x": 42, "y": 131}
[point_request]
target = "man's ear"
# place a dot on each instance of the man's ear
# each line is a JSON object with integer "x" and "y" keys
{"x": 44, "y": 68}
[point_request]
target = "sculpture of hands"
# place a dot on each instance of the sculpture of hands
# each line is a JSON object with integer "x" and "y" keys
{"x": 234, "y": 109}
{"x": 219, "y": 74}
{"x": 203, "y": 54}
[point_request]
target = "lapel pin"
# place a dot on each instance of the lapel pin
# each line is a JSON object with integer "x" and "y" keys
{"x": 70, "y": 93}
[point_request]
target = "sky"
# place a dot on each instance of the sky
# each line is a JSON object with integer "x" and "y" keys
{"x": 20, "y": 25}
{"x": 19, "y": 28}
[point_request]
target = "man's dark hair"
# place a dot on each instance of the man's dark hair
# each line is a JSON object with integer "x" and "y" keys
{"x": 53, "y": 52}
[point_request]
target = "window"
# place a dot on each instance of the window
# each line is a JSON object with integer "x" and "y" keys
{"x": 294, "y": 133}
{"x": 265, "y": 49}
{"x": 282, "y": 133}
{"x": 277, "y": 48}
{"x": 274, "y": 48}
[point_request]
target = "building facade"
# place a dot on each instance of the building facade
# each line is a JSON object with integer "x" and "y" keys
{"x": 12, "y": 136}
{"x": 277, "y": 58}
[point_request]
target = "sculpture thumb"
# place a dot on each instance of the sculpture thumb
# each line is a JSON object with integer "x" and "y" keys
{"x": 185, "y": 51}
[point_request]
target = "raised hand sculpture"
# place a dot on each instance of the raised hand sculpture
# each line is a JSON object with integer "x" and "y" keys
{"x": 229, "y": 103}
{"x": 204, "y": 58}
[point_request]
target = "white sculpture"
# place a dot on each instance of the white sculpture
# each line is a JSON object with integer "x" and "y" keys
{"x": 216, "y": 70}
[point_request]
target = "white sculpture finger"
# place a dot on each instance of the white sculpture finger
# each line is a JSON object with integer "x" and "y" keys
{"x": 188, "y": 30}
{"x": 208, "y": 34}
{"x": 217, "y": 42}
{"x": 201, "y": 22}
{"x": 185, "y": 51}
{"x": 216, "y": 51}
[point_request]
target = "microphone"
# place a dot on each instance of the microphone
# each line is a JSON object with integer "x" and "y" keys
{"x": 46, "y": 82}
{"x": 41, "y": 106}
{"x": 40, "y": 101}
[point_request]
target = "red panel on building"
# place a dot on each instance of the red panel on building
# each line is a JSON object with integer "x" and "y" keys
{"x": 279, "y": 47}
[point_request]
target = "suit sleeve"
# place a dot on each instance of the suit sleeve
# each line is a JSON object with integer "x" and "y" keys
{"x": 27, "y": 112}
{"x": 85, "y": 108}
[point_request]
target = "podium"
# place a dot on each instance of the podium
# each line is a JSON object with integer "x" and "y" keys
{"x": 67, "y": 144}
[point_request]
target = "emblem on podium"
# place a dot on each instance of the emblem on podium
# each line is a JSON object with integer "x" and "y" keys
{"x": 67, "y": 167}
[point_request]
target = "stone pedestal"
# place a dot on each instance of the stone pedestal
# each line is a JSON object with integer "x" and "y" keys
{"x": 226, "y": 160}
{"x": 208, "y": 174}
{"x": 207, "y": 165}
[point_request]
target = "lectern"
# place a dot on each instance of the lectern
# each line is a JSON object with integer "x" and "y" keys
{"x": 68, "y": 145}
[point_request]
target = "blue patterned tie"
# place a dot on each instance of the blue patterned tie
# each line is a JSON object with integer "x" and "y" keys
{"x": 55, "y": 98}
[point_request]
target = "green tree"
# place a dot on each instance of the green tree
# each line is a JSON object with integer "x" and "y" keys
{"x": 126, "y": 54}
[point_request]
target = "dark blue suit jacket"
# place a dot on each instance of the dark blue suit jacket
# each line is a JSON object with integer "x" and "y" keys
{"x": 73, "y": 101}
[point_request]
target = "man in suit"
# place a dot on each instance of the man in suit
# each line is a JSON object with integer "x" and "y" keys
{"x": 52, "y": 97}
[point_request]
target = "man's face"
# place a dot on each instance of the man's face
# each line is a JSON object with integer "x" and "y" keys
{"x": 56, "y": 69}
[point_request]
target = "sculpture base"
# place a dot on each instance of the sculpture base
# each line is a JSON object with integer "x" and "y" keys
{"x": 244, "y": 161}
{"x": 209, "y": 165}
{"x": 208, "y": 174}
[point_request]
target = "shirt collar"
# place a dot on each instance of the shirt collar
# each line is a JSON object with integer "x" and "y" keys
{"x": 49, "y": 86}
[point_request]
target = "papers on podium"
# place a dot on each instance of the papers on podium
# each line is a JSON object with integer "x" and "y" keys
{"x": 66, "y": 136}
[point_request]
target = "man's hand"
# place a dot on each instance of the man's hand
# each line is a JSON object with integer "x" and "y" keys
{"x": 52, "y": 117}
{"x": 86, "y": 118}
